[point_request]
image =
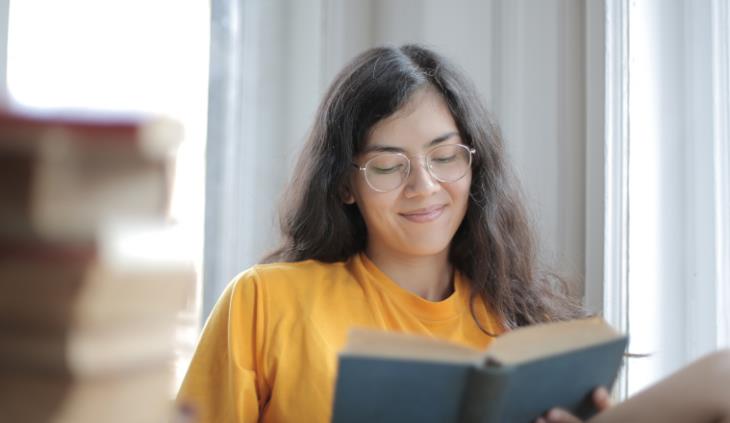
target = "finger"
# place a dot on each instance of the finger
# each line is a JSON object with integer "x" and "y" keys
{"x": 558, "y": 415}
{"x": 185, "y": 414}
{"x": 601, "y": 398}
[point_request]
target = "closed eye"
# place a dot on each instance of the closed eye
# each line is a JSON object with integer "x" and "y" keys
{"x": 387, "y": 170}
{"x": 443, "y": 160}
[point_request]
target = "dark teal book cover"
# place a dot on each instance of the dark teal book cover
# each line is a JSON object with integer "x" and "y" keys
{"x": 394, "y": 391}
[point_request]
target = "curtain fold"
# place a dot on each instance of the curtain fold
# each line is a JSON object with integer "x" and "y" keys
{"x": 4, "y": 14}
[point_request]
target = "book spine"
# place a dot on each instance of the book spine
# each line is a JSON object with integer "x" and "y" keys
{"x": 484, "y": 395}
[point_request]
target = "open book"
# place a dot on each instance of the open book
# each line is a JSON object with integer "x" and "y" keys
{"x": 392, "y": 377}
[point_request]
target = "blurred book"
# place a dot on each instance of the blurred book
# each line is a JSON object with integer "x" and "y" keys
{"x": 92, "y": 274}
{"x": 55, "y": 287}
{"x": 103, "y": 307}
{"x": 139, "y": 396}
{"x": 28, "y": 130}
{"x": 61, "y": 176}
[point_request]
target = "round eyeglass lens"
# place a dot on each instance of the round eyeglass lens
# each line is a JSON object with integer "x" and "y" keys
{"x": 386, "y": 172}
{"x": 449, "y": 163}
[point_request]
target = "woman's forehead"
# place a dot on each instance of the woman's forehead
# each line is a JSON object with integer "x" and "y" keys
{"x": 451, "y": 137}
{"x": 425, "y": 120}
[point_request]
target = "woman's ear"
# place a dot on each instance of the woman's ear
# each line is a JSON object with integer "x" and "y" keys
{"x": 346, "y": 195}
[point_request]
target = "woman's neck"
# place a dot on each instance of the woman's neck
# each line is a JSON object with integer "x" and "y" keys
{"x": 430, "y": 277}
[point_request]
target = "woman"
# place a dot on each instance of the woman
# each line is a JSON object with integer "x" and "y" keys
{"x": 402, "y": 215}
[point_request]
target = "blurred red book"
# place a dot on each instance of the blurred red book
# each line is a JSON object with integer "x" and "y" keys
{"x": 63, "y": 175}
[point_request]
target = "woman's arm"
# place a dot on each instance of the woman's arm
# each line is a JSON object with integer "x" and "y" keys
{"x": 223, "y": 384}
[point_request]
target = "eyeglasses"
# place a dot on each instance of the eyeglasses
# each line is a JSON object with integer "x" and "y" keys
{"x": 445, "y": 163}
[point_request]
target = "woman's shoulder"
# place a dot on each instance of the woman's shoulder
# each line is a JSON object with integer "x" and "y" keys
{"x": 298, "y": 269}
{"x": 290, "y": 275}
{"x": 297, "y": 288}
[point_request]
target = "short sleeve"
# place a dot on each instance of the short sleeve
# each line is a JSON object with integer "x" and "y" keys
{"x": 225, "y": 381}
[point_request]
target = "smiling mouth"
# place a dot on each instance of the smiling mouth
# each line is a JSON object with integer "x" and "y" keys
{"x": 424, "y": 215}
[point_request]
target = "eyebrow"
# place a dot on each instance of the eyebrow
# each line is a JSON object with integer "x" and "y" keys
{"x": 390, "y": 149}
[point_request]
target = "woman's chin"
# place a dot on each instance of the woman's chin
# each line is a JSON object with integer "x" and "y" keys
{"x": 426, "y": 248}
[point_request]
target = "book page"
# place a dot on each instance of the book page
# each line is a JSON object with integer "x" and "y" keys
{"x": 377, "y": 343}
{"x": 531, "y": 342}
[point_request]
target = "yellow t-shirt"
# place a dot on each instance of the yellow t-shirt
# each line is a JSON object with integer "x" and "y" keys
{"x": 268, "y": 351}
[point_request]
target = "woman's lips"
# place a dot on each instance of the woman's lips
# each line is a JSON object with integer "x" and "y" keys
{"x": 424, "y": 215}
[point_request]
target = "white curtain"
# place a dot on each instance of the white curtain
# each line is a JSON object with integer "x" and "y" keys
{"x": 264, "y": 85}
{"x": 721, "y": 131}
{"x": 667, "y": 131}
{"x": 4, "y": 13}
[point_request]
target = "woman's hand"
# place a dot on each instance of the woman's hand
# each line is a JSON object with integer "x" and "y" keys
{"x": 557, "y": 415}
{"x": 184, "y": 413}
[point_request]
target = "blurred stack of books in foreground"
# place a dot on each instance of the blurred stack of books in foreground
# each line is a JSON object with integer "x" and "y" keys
{"x": 91, "y": 277}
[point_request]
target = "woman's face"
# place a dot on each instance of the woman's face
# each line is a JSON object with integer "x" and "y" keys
{"x": 421, "y": 216}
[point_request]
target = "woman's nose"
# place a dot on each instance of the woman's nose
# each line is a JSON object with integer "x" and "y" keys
{"x": 420, "y": 181}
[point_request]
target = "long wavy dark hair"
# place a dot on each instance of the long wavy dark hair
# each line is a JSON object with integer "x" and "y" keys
{"x": 494, "y": 247}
